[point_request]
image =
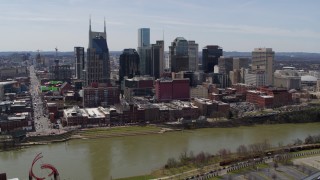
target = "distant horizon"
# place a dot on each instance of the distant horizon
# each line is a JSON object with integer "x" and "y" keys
{"x": 235, "y": 25}
{"x": 165, "y": 51}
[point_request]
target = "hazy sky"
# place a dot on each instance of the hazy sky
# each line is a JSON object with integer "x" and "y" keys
{"x": 235, "y": 25}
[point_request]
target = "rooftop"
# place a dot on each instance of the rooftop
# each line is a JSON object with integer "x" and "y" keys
{"x": 308, "y": 78}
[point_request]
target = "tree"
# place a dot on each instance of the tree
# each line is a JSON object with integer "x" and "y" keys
{"x": 191, "y": 156}
{"x": 297, "y": 142}
{"x": 275, "y": 165}
{"x": 224, "y": 153}
{"x": 200, "y": 158}
{"x": 242, "y": 150}
{"x": 309, "y": 140}
{"x": 183, "y": 158}
{"x": 171, "y": 163}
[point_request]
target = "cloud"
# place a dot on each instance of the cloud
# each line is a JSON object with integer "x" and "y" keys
{"x": 247, "y": 29}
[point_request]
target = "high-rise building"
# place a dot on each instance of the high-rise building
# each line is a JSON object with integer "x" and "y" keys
{"x": 193, "y": 49}
{"x": 144, "y": 51}
{"x": 129, "y": 64}
{"x": 183, "y": 55}
{"x": 60, "y": 72}
{"x": 262, "y": 60}
{"x": 239, "y": 63}
{"x": 225, "y": 65}
{"x": 145, "y": 60}
{"x": 157, "y": 59}
{"x": 143, "y": 37}
{"x": 79, "y": 61}
{"x": 210, "y": 56}
{"x": 178, "y": 54}
{"x": 253, "y": 78}
{"x": 97, "y": 67}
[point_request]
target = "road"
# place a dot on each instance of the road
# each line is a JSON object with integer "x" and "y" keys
{"x": 42, "y": 123}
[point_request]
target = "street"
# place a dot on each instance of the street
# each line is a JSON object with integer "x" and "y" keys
{"x": 41, "y": 121}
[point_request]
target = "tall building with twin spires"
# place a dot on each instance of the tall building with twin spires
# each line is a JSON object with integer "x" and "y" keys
{"x": 97, "y": 68}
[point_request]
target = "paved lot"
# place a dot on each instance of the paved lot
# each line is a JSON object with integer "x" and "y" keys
{"x": 310, "y": 161}
{"x": 283, "y": 172}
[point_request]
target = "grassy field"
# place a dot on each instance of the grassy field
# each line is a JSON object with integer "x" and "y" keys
{"x": 138, "y": 177}
{"x": 117, "y": 131}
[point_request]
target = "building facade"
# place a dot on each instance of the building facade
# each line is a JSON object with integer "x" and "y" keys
{"x": 79, "y": 61}
{"x": 60, "y": 72}
{"x": 172, "y": 89}
{"x": 210, "y": 56}
{"x": 138, "y": 86}
{"x": 157, "y": 59}
{"x": 193, "y": 50}
{"x": 256, "y": 79}
{"x": 178, "y": 55}
{"x": 263, "y": 60}
{"x": 144, "y": 51}
{"x": 97, "y": 69}
{"x": 144, "y": 37}
{"x": 225, "y": 65}
{"x": 129, "y": 64}
{"x": 199, "y": 92}
{"x": 100, "y": 96}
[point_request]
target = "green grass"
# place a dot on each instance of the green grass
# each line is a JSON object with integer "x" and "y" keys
{"x": 242, "y": 170}
{"x": 263, "y": 165}
{"x": 216, "y": 178}
{"x": 118, "y": 131}
{"x": 138, "y": 177}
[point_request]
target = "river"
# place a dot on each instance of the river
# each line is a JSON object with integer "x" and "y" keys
{"x": 129, "y": 156}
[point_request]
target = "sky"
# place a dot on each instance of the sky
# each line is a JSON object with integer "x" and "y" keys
{"x": 235, "y": 25}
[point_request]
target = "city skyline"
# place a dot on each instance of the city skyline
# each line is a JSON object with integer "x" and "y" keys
{"x": 285, "y": 26}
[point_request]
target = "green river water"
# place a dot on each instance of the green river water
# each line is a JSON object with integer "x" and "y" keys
{"x": 129, "y": 156}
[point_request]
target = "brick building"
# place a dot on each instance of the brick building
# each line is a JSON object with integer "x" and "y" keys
{"x": 281, "y": 97}
{"x": 212, "y": 108}
{"x": 100, "y": 96}
{"x": 87, "y": 116}
{"x": 138, "y": 86}
{"x": 18, "y": 121}
{"x": 259, "y": 98}
{"x": 172, "y": 89}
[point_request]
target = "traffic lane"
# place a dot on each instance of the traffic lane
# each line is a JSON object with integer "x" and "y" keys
{"x": 294, "y": 173}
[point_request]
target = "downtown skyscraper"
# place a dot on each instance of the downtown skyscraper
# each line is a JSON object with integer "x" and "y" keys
{"x": 262, "y": 61}
{"x": 183, "y": 55}
{"x": 210, "y": 56}
{"x": 157, "y": 59}
{"x": 79, "y": 61}
{"x": 97, "y": 69}
{"x": 144, "y": 51}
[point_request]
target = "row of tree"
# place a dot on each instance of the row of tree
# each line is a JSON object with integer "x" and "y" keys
{"x": 243, "y": 151}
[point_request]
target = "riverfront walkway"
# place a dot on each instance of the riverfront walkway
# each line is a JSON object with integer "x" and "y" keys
{"x": 214, "y": 172}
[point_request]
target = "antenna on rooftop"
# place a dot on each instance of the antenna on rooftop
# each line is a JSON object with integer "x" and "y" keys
{"x": 56, "y": 60}
{"x": 56, "y": 51}
{"x": 163, "y": 35}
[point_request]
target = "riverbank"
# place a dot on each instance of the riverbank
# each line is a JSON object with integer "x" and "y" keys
{"x": 92, "y": 133}
{"x": 108, "y": 132}
{"x": 308, "y": 115}
{"x": 104, "y": 158}
{"x": 305, "y": 161}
